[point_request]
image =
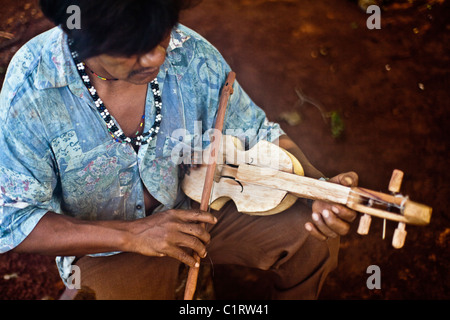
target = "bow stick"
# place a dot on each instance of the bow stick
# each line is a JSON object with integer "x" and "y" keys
{"x": 227, "y": 90}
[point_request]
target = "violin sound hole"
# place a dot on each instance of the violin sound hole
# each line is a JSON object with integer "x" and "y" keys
{"x": 233, "y": 178}
{"x": 232, "y": 165}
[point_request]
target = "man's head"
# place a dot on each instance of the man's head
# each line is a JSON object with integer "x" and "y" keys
{"x": 126, "y": 35}
{"x": 116, "y": 27}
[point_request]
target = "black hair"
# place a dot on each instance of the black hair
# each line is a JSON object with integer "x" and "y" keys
{"x": 116, "y": 27}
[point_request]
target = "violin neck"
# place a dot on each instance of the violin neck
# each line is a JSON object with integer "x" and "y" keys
{"x": 300, "y": 186}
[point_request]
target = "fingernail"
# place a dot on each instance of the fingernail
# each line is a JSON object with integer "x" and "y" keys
{"x": 197, "y": 264}
{"x": 315, "y": 216}
{"x": 348, "y": 180}
{"x": 325, "y": 213}
{"x": 206, "y": 253}
{"x": 335, "y": 209}
{"x": 308, "y": 227}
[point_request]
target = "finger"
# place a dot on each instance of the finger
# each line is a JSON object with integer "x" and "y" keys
{"x": 322, "y": 227}
{"x": 193, "y": 243}
{"x": 341, "y": 211}
{"x": 314, "y": 232}
{"x": 336, "y": 224}
{"x": 183, "y": 256}
{"x": 348, "y": 179}
{"x": 197, "y": 216}
{"x": 197, "y": 231}
{"x": 344, "y": 213}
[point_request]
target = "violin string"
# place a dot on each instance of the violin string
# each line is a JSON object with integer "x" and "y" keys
{"x": 212, "y": 265}
{"x": 379, "y": 201}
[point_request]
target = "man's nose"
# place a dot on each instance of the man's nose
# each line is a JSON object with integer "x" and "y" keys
{"x": 154, "y": 58}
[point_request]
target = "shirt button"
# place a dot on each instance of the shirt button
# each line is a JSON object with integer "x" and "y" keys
{"x": 139, "y": 207}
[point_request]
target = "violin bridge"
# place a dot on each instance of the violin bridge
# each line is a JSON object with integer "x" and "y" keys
{"x": 217, "y": 173}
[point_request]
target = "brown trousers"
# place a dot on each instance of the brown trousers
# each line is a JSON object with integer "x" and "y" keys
{"x": 278, "y": 243}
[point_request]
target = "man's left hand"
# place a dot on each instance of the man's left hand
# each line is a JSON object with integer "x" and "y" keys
{"x": 332, "y": 220}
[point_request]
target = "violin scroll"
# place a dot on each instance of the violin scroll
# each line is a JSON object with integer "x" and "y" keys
{"x": 408, "y": 212}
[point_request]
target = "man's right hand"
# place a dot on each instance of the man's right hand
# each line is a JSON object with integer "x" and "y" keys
{"x": 172, "y": 233}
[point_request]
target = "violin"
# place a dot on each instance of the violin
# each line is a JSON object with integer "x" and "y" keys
{"x": 266, "y": 180}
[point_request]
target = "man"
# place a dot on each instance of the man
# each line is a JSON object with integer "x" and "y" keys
{"x": 88, "y": 173}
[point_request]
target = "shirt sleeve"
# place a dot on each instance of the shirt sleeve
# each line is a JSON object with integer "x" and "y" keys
{"x": 27, "y": 175}
{"x": 248, "y": 122}
{"x": 244, "y": 119}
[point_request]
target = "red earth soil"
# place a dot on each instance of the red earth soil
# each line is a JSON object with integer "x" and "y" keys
{"x": 386, "y": 90}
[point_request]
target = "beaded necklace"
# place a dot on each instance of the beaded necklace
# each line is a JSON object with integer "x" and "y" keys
{"x": 141, "y": 124}
{"x": 115, "y": 132}
{"x": 100, "y": 77}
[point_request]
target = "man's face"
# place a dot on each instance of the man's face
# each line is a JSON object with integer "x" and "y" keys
{"x": 137, "y": 69}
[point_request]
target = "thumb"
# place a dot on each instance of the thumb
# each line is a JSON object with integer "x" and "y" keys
{"x": 348, "y": 179}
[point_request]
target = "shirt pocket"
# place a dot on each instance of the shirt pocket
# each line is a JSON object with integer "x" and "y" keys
{"x": 181, "y": 146}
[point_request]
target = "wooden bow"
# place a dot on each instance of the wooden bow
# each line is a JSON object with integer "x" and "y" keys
{"x": 216, "y": 141}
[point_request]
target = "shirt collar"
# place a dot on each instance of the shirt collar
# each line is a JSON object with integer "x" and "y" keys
{"x": 56, "y": 68}
{"x": 177, "y": 39}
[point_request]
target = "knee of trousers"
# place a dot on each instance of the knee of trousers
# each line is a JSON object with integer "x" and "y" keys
{"x": 315, "y": 259}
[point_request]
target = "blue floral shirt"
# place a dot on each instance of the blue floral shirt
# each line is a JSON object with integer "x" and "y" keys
{"x": 57, "y": 155}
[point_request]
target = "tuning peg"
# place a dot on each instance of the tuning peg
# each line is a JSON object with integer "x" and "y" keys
{"x": 399, "y": 237}
{"x": 364, "y": 224}
{"x": 396, "y": 181}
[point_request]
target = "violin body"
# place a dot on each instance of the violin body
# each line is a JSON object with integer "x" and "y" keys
{"x": 249, "y": 198}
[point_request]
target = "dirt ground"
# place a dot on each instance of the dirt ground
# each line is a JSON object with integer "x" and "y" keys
{"x": 383, "y": 93}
